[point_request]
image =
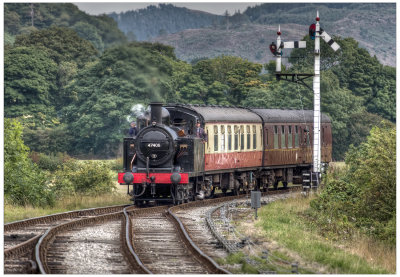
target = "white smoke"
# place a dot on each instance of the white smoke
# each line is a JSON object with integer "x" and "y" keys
{"x": 136, "y": 110}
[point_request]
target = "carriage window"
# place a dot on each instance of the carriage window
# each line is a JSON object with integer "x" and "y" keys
{"x": 236, "y": 128}
{"x": 248, "y": 137}
{"x": 283, "y": 138}
{"x": 229, "y": 138}
{"x": 254, "y": 137}
{"x": 307, "y": 133}
{"x": 289, "y": 139}
{"x": 241, "y": 138}
{"x": 323, "y": 136}
{"x": 276, "y": 137}
{"x": 215, "y": 138}
{"x": 296, "y": 136}
{"x": 222, "y": 138}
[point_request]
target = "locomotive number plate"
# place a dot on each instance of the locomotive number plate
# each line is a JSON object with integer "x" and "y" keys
{"x": 154, "y": 145}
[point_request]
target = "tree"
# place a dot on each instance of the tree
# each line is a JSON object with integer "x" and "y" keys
{"x": 24, "y": 183}
{"x": 89, "y": 32}
{"x": 11, "y": 21}
{"x": 61, "y": 44}
{"x": 30, "y": 81}
{"x": 104, "y": 92}
{"x": 236, "y": 74}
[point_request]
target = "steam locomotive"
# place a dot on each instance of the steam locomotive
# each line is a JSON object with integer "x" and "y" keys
{"x": 246, "y": 149}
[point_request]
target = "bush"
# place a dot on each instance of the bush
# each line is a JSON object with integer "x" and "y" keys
{"x": 118, "y": 165}
{"x": 83, "y": 177}
{"x": 24, "y": 182}
{"x": 364, "y": 193}
{"x": 49, "y": 140}
{"x": 49, "y": 162}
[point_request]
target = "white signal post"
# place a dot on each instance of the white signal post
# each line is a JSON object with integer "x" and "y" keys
{"x": 279, "y": 51}
{"x": 280, "y": 45}
{"x": 317, "y": 103}
{"x": 317, "y": 98}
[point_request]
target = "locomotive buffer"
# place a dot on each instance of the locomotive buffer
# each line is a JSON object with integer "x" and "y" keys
{"x": 315, "y": 32}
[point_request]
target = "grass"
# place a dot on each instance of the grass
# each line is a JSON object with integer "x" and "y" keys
{"x": 14, "y": 213}
{"x": 282, "y": 222}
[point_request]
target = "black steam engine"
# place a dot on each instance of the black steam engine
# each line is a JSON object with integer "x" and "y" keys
{"x": 154, "y": 160}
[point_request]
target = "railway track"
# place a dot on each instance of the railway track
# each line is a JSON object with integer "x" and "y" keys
{"x": 164, "y": 247}
{"x": 21, "y": 237}
{"x": 94, "y": 245}
{"x": 113, "y": 240}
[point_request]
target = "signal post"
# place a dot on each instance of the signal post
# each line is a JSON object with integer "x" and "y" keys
{"x": 316, "y": 32}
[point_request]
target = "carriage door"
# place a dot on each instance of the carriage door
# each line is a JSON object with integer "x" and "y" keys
{"x": 304, "y": 142}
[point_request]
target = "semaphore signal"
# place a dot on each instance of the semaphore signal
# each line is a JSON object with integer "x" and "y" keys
{"x": 315, "y": 33}
{"x": 276, "y": 49}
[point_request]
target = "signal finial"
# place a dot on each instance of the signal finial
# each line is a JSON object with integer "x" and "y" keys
{"x": 279, "y": 30}
{"x": 317, "y": 18}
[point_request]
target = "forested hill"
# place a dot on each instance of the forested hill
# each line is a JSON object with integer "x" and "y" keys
{"x": 164, "y": 19}
{"x": 102, "y": 31}
{"x": 196, "y": 34}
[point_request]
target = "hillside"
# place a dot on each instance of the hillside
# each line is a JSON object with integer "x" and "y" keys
{"x": 242, "y": 34}
{"x": 250, "y": 42}
{"x": 153, "y": 21}
{"x": 100, "y": 30}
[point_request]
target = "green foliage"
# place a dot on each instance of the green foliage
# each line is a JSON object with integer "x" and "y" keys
{"x": 61, "y": 44}
{"x": 49, "y": 162}
{"x": 49, "y": 140}
{"x": 24, "y": 183}
{"x": 89, "y": 32}
{"x": 104, "y": 92}
{"x": 364, "y": 193}
{"x": 227, "y": 79}
{"x": 30, "y": 82}
{"x": 18, "y": 17}
{"x": 83, "y": 177}
{"x": 8, "y": 39}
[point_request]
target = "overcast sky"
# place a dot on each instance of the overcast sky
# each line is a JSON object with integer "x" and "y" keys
{"x": 94, "y": 8}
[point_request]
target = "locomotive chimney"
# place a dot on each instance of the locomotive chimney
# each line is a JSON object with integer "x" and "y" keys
{"x": 156, "y": 112}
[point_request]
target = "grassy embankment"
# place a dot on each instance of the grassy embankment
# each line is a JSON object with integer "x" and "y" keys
{"x": 284, "y": 229}
{"x": 69, "y": 203}
{"x": 119, "y": 197}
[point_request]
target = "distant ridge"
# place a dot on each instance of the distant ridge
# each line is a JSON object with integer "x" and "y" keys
{"x": 197, "y": 34}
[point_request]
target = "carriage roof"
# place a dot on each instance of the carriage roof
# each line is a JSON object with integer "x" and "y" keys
{"x": 222, "y": 113}
{"x": 215, "y": 113}
{"x": 289, "y": 116}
